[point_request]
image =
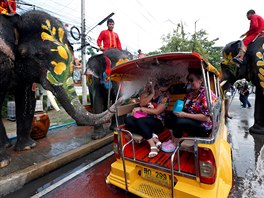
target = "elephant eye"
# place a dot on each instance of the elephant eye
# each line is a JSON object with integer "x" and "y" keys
{"x": 40, "y": 55}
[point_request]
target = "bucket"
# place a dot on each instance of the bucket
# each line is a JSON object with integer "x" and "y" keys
{"x": 11, "y": 110}
{"x": 40, "y": 125}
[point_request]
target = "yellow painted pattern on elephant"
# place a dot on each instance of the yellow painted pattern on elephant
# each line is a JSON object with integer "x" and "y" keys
{"x": 228, "y": 59}
{"x": 261, "y": 77}
{"x": 260, "y": 64}
{"x": 120, "y": 61}
{"x": 59, "y": 67}
{"x": 65, "y": 58}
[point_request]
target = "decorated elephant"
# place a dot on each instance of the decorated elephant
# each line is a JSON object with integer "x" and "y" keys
{"x": 98, "y": 68}
{"x": 252, "y": 69}
{"x": 41, "y": 53}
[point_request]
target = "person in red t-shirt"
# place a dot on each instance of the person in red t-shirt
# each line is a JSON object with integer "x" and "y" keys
{"x": 140, "y": 54}
{"x": 7, "y": 6}
{"x": 255, "y": 29}
{"x": 109, "y": 38}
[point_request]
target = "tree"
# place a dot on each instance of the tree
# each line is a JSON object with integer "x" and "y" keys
{"x": 180, "y": 41}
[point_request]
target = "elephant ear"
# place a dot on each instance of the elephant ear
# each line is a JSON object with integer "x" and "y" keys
{"x": 62, "y": 63}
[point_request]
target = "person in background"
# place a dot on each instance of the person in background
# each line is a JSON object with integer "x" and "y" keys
{"x": 8, "y": 6}
{"x": 140, "y": 54}
{"x": 194, "y": 118}
{"x": 153, "y": 103}
{"x": 109, "y": 38}
{"x": 244, "y": 93}
{"x": 255, "y": 29}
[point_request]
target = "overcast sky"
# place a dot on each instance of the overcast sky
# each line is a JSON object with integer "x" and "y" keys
{"x": 141, "y": 23}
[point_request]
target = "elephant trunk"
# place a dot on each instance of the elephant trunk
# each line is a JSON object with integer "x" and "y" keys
{"x": 72, "y": 105}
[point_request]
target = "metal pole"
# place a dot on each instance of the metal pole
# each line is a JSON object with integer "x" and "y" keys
{"x": 83, "y": 42}
{"x": 194, "y": 39}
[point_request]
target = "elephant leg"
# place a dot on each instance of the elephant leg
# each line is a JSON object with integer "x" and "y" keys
{"x": 4, "y": 141}
{"x": 258, "y": 127}
{"x": 25, "y": 108}
{"x": 98, "y": 100}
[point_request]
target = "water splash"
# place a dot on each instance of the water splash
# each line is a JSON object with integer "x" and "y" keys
{"x": 132, "y": 89}
{"x": 253, "y": 183}
{"x": 172, "y": 71}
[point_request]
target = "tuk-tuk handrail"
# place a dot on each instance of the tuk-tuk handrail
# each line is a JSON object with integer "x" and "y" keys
{"x": 130, "y": 141}
{"x": 123, "y": 155}
{"x": 178, "y": 146}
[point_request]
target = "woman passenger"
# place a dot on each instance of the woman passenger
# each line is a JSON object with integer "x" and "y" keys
{"x": 194, "y": 118}
{"x": 153, "y": 104}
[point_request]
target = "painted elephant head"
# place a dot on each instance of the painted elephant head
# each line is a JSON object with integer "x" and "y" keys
{"x": 40, "y": 54}
{"x": 230, "y": 71}
{"x": 98, "y": 68}
{"x": 252, "y": 69}
{"x": 98, "y": 64}
{"x": 45, "y": 56}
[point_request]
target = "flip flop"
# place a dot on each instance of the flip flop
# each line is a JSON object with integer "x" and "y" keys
{"x": 153, "y": 153}
{"x": 169, "y": 148}
{"x": 167, "y": 142}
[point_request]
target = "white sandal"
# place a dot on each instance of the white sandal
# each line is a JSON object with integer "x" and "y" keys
{"x": 158, "y": 144}
{"x": 153, "y": 153}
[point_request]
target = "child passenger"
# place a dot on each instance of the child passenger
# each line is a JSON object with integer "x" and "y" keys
{"x": 153, "y": 105}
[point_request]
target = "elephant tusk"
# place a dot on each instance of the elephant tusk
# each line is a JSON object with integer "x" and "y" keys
{"x": 52, "y": 100}
{"x": 223, "y": 83}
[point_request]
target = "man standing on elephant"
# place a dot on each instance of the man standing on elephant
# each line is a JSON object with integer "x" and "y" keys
{"x": 8, "y": 6}
{"x": 109, "y": 38}
{"x": 256, "y": 29}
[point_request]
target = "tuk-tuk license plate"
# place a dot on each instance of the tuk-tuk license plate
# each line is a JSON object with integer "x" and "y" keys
{"x": 156, "y": 176}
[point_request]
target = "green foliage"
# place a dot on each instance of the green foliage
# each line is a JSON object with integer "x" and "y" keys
{"x": 4, "y": 107}
{"x": 181, "y": 41}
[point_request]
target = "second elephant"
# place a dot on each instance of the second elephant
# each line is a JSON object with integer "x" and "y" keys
{"x": 98, "y": 68}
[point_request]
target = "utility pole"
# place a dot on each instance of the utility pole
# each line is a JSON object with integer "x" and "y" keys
{"x": 194, "y": 37}
{"x": 83, "y": 44}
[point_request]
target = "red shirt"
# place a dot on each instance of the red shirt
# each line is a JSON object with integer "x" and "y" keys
{"x": 141, "y": 55}
{"x": 110, "y": 40}
{"x": 8, "y": 7}
{"x": 256, "y": 24}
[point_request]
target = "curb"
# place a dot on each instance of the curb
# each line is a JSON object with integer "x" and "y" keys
{"x": 17, "y": 180}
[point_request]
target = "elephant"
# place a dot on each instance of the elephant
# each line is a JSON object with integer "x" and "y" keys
{"x": 34, "y": 48}
{"x": 97, "y": 68}
{"x": 252, "y": 69}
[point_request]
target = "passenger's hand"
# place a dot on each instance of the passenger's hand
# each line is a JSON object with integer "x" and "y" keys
{"x": 135, "y": 110}
{"x": 181, "y": 114}
{"x": 152, "y": 87}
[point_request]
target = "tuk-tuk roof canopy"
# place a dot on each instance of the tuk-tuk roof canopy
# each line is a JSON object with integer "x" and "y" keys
{"x": 163, "y": 65}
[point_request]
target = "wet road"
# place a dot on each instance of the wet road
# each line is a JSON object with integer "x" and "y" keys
{"x": 247, "y": 152}
{"x": 82, "y": 178}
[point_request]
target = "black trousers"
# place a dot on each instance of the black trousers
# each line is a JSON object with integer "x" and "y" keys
{"x": 194, "y": 128}
{"x": 144, "y": 126}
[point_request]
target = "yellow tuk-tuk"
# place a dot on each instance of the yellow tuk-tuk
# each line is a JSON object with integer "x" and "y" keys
{"x": 201, "y": 168}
